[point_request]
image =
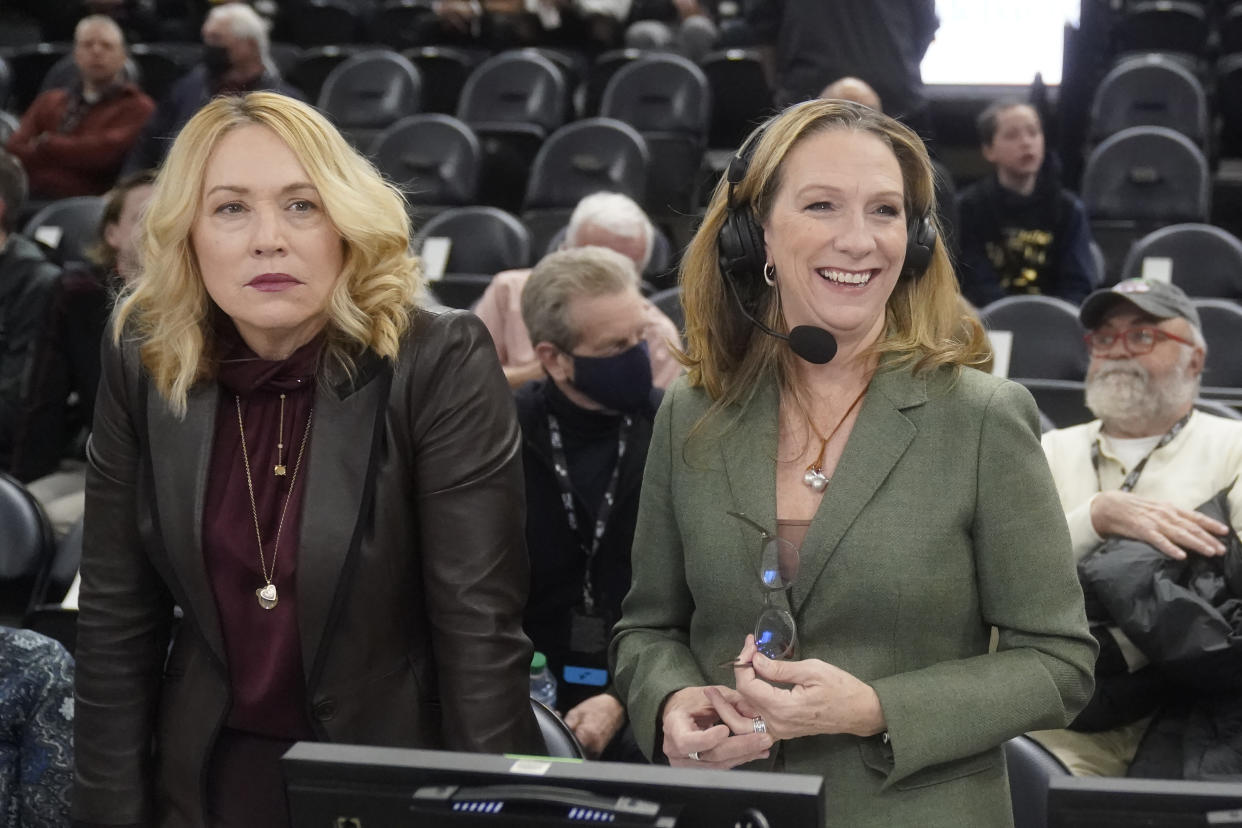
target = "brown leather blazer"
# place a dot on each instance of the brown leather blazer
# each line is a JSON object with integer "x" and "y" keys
{"x": 412, "y": 574}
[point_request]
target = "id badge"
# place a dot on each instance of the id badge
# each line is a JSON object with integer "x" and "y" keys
{"x": 588, "y": 633}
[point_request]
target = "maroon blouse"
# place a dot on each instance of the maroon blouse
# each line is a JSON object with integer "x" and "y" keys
{"x": 262, "y": 646}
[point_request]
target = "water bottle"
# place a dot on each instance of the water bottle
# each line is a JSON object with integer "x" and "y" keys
{"x": 542, "y": 682}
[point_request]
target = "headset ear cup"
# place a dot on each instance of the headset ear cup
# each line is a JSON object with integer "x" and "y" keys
{"x": 742, "y": 253}
{"x": 920, "y": 242}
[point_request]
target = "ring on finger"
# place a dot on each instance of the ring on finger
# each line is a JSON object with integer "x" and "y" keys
{"x": 694, "y": 754}
{"x": 759, "y": 724}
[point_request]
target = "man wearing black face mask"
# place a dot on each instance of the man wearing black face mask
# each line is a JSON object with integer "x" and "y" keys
{"x": 234, "y": 61}
{"x": 586, "y": 427}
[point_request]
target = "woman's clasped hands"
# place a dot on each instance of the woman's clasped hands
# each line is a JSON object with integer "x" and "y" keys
{"x": 773, "y": 700}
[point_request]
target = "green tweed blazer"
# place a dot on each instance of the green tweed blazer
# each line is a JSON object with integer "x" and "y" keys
{"x": 940, "y": 524}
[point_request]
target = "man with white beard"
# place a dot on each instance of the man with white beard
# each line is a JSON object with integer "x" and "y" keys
{"x": 1141, "y": 468}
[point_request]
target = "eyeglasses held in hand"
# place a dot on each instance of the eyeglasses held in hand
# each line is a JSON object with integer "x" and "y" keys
{"x": 1137, "y": 341}
{"x": 776, "y": 633}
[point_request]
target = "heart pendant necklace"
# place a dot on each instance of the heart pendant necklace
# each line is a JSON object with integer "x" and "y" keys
{"x": 268, "y": 599}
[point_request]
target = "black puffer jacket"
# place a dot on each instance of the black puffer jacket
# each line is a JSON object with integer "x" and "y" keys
{"x": 1186, "y": 617}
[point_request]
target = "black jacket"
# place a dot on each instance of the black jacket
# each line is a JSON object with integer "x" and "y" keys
{"x": 556, "y": 556}
{"x": 31, "y": 398}
{"x": 1186, "y": 616}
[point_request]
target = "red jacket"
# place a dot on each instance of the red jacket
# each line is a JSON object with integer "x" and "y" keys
{"x": 86, "y": 160}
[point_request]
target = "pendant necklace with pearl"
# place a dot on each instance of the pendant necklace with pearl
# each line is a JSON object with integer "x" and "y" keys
{"x": 815, "y": 477}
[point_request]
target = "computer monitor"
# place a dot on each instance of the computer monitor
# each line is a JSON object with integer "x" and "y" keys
{"x": 348, "y": 786}
{"x": 1107, "y": 802}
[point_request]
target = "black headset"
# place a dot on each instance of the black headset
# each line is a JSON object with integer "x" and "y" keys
{"x": 740, "y": 242}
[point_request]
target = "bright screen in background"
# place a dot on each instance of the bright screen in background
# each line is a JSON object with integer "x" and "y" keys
{"x": 998, "y": 41}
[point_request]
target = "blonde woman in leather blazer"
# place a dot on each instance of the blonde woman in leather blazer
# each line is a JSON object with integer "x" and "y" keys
{"x": 911, "y": 485}
{"x": 270, "y": 363}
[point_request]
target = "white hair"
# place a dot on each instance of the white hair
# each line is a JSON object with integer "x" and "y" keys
{"x": 245, "y": 23}
{"x": 614, "y": 213}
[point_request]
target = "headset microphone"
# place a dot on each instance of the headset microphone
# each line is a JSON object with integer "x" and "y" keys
{"x": 816, "y": 345}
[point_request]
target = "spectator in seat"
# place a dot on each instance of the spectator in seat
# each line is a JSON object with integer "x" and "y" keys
{"x": 73, "y": 141}
{"x": 30, "y": 418}
{"x": 235, "y": 61}
{"x": 1139, "y": 471}
{"x": 591, "y": 416}
{"x": 1021, "y": 232}
{"x": 607, "y": 220}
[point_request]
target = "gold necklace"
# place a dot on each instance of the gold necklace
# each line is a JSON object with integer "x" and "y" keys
{"x": 815, "y": 477}
{"x": 279, "y": 471}
{"x": 267, "y": 593}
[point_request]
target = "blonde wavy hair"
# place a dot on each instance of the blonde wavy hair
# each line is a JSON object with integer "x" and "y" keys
{"x": 928, "y": 325}
{"x": 167, "y": 309}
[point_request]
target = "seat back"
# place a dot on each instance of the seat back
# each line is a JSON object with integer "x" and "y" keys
{"x": 1222, "y": 329}
{"x": 1150, "y": 90}
{"x": 26, "y": 544}
{"x": 158, "y": 69}
{"x": 6, "y": 80}
{"x": 371, "y": 90}
{"x": 1229, "y": 28}
{"x": 312, "y": 69}
{"x": 1147, "y": 173}
{"x": 585, "y": 157}
{"x": 1047, "y": 337}
{"x": 69, "y": 227}
{"x": 741, "y": 96}
{"x": 59, "y": 569}
{"x": 520, "y": 86}
{"x": 660, "y": 93}
{"x": 558, "y": 739}
{"x": 400, "y": 24}
{"x": 1063, "y": 402}
{"x": 1030, "y": 768}
{"x": 1164, "y": 26}
{"x": 1206, "y": 260}
{"x": 444, "y": 70}
{"x": 433, "y": 158}
{"x": 30, "y": 65}
{"x": 485, "y": 240}
{"x": 601, "y": 72}
{"x": 323, "y": 22}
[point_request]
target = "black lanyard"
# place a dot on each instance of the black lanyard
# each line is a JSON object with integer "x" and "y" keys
{"x": 1133, "y": 477}
{"x": 560, "y": 464}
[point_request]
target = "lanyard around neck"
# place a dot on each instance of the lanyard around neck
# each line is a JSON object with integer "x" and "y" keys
{"x": 560, "y": 465}
{"x": 1133, "y": 477}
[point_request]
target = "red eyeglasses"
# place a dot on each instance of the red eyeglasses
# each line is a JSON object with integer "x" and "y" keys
{"x": 1138, "y": 341}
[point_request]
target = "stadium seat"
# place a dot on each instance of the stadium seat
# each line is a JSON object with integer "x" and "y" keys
{"x": 666, "y": 98}
{"x": 1150, "y": 90}
{"x": 434, "y": 159}
{"x": 559, "y": 740}
{"x": 29, "y": 64}
{"x": 316, "y": 63}
{"x": 459, "y": 290}
{"x": 1164, "y": 26}
{"x": 68, "y": 227}
{"x": 402, "y": 24}
{"x": 1138, "y": 180}
{"x": 369, "y": 92}
{"x": 285, "y": 56}
{"x": 323, "y": 22}
{"x": 741, "y": 97}
{"x": 6, "y": 80}
{"x": 1229, "y": 29}
{"x": 1047, "y": 337}
{"x": 8, "y": 125}
{"x": 1030, "y": 767}
{"x": 485, "y": 240}
{"x": 1062, "y": 402}
{"x": 18, "y": 29}
{"x": 157, "y": 70}
{"x": 1222, "y": 328}
{"x": 59, "y": 569}
{"x": 1206, "y": 261}
{"x": 444, "y": 70}
{"x": 26, "y": 543}
{"x": 1229, "y": 103}
{"x": 512, "y": 101}
{"x": 600, "y": 73}
{"x": 581, "y": 158}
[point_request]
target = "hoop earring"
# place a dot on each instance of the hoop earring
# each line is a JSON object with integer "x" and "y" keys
{"x": 769, "y": 274}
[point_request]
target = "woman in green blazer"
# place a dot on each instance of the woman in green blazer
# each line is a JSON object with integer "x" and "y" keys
{"x": 908, "y": 487}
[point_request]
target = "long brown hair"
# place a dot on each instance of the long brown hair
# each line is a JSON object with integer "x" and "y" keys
{"x": 927, "y": 325}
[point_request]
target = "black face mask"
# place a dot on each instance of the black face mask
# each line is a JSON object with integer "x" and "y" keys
{"x": 216, "y": 59}
{"x": 620, "y": 383}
